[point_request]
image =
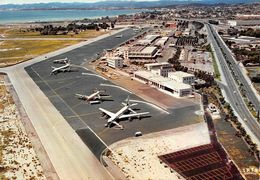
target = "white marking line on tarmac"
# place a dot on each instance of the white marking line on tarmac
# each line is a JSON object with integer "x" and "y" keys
{"x": 90, "y": 74}
{"x": 150, "y": 104}
{"x": 79, "y": 66}
{"x": 36, "y": 72}
{"x": 110, "y": 85}
{"x": 76, "y": 115}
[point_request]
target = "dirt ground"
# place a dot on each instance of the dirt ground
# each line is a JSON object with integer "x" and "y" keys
{"x": 18, "y": 158}
{"x": 138, "y": 157}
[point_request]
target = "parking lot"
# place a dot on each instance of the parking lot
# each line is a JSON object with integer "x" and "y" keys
{"x": 84, "y": 118}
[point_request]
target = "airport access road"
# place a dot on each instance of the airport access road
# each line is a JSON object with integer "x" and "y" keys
{"x": 234, "y": 66}
{"x": 233, "y": 94}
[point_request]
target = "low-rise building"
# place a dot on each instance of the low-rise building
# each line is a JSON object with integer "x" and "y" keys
{"x": 244, "y": 23}
{"x": 115, "y": 62}
{"x": 182, "y": 77}
{"x": 142, "y": 53}
{"x": 163, "y": 83}
{"x": 161, "y": 69}
{"x": 162, "y": 41}
{"x": 148, "y": 39}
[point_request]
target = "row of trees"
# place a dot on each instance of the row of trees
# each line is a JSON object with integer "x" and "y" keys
{"x": 247, "y": 56}
{"x": 72, "y": 27}
{"x": 198, "y": 25}
{"x": 175, "y": 58}
{"x": 247, "y": 32}
{"x": 250, "y": 32}
{"x": 229, "y": 116}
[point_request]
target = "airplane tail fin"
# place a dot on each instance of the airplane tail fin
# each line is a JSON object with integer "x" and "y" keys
{"x": 98, "y": 90}
{"x": 127, "y": 100}
{"x": 128, "y": 103}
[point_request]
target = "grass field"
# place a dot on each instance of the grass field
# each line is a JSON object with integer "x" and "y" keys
{"x": 252, "y": 72}
{"x": 16, "y": 33}
{"x": 16, "y": 51}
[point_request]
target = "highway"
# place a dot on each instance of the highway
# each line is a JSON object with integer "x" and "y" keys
{"x": 235, "y": 67}
{"x": 231, "y": 89}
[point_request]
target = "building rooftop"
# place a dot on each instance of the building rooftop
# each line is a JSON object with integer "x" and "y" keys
{"x": 148, "y": 39}
{"x": 149, "y": 50}
{"x": 162, "y": 80}
{"x": 175, "y": 85}
{"x": 180, "y": 74}
{"x": 156, "y": 64}
{"x": 162, "y": 41}
{"x": 114, "y": 58}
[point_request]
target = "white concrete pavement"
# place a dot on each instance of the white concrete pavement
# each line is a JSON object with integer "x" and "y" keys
{"x": 69, "y": 155}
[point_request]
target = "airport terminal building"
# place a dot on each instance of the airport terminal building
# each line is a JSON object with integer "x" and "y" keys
{"x": 115, "y": 62}
{"x": 182, "y": 77}
{"x": 141, "y": 52}
{"x": 163, "y": 83}
{"x": 161, "y": 69}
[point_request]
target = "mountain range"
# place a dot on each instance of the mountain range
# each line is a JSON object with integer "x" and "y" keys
{"x": 118, "y": 4}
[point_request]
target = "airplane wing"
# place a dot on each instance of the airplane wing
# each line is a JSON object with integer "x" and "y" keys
{"x": 132, "y": 115}
{"x": 130, "y": 109}
{"x": 117, "y": 124}
{"x": 107, "y": 112}
{"x": 105, "y": 97}
{"x": 94, "y": 102}
{"x": 81, "y": 96}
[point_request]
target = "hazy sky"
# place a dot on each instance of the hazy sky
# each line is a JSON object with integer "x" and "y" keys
{"x": 41, "y": 1}
{"x": 47, "y": 1}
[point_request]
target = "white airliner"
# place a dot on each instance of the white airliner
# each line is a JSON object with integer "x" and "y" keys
{"x": 94, "y": 98}
{"x": 65, "y": 68}
{"x": 61, "y": 61}
{"x": 120, "y": 114}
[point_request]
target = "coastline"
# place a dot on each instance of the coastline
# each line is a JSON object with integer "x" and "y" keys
{"x": 61, "y": 15}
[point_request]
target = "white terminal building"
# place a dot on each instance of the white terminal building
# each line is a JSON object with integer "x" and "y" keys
{"x": 161, "y": 69}
{"x": 115, "y": 62}
{"x": 148, "y": 39}
{"x": 140, "y": 52}
{"x": 162, "y": 41}
{"x": 182, "y": 77}
{"x": 163, "y": 83}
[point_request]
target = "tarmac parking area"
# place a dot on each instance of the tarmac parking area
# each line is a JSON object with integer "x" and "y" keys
{"x": 84, "y": 118}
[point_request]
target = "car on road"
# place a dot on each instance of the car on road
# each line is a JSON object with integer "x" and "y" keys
{"x": 138, "y": 133}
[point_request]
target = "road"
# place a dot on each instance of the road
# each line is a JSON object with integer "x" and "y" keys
{"x": 232, "y": 92}
{"x": 254, "y": 98}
